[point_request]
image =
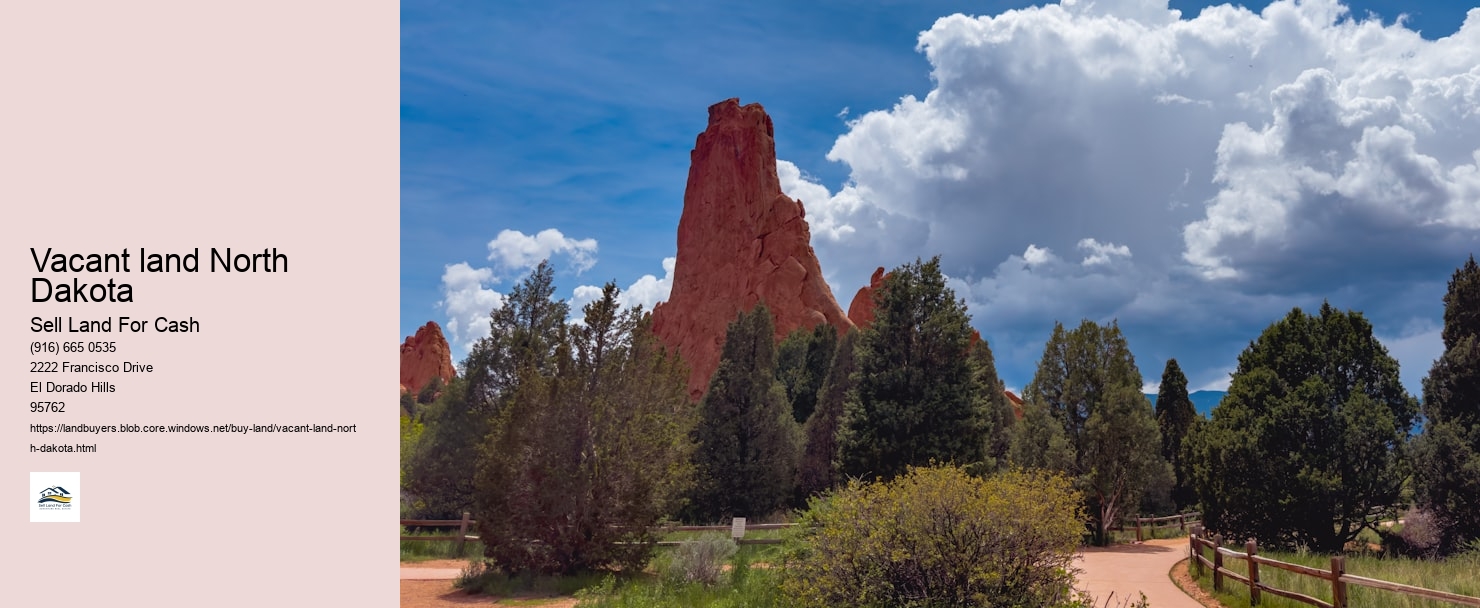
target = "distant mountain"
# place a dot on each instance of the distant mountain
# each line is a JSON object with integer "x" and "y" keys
{"x": 1203, "y": 401}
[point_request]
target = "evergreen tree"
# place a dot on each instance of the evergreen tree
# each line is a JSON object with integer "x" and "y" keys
{"x": 1038, "y": 441}
{"x": 1447, "y": 453}
{"x": 588, "y": 452}
{"x": 802, "y": 362}
{"x": 992, "y": 401}
{"x": 916, "y": 400}
{"x": 523, "y": 333}
{"x": 1175, "y": 415}
{"x": 819, "y": 467}
{"x": 748, "y": 443}
{"x": 1088, "y": 382}
{"x": 1310, "y": 436}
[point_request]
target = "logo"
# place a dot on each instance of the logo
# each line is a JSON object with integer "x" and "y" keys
{"x": 55, "y": 497}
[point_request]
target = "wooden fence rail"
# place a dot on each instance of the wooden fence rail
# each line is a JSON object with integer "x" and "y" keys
{"x": 1336, "y": 576}
{"x": 737, "y": 529}
{"x": 1180, "y": 521}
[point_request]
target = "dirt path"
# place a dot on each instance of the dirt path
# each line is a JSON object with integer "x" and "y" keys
{"x": 429, "y": 585}
{"x": 1126, "y": 570}
{"x": 1122, "y": 570}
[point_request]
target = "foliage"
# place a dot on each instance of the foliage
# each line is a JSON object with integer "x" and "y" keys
{"x": 521, "y": 335}
{"x": 699, "y": 561}
{"x": 802, "y": 363}
{"x": 1175, "y": 415}
{"x": 748, "y": 443}
{"x": 440, "y": 466}
{"x": 992, "y": 402}
{"x": 1123, "y": 463}
{"x": 1087, "y": 381}
{"x": 1447, "y": 453}
{"x": 411, "y": 431}
{"x": 818, "y": 471}
{"x": 1039, "y": 442}
{"x": 917, "y": 400}
{"x": 746, "y": 588}
{"x": 1309, "y": 438}
{"x": 938, "y": 537}
{"x": 589, "y": 448}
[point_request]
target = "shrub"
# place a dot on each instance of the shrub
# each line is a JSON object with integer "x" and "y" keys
{"x": 938, "y": 537}
{"x": 1418, "y": 536}
{"x": 701, "y": 560}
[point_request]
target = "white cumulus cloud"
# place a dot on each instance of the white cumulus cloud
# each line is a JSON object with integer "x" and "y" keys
{"x": 1251, "y": 159}
{"x": 514, "y": 250}
{"x": 468, "y": 301}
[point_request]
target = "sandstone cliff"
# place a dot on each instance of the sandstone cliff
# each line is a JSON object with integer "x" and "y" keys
{"x": 425, "y": 356}
{"x": 861, "y": 311}
{"x": 740, "y": 241}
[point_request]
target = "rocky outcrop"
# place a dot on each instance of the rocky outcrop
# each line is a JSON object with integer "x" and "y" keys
{"x": 425, "y": 356}
{"x": 1016, "y": 402}
{"x": 740, "y": 242}
{"x": 861, "y": 311}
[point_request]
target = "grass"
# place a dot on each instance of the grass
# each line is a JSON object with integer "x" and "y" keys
{"x": 742, "y": 587}
{"x": 425, "y": 550}
{"x": 1455, "y": 575}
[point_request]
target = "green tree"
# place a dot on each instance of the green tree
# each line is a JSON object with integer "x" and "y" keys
{"x": 748, "y": 443}
{"x": 991, "y": 401}
{"x": 818, "y": 471}
{"x": 1088, "y": 382}
{"x": 917, "y": 401}
{"x": 1039, "y": 442}
{"x": 523, "y": 332}
{"x": 1309, "y": 438}
{"x": 589, "y": 451}
{"x": 1175, "y": 415}
{"x": 1447, "y": 453}
{"x": 802, "y": 362}
{"x": 441, "y": 461}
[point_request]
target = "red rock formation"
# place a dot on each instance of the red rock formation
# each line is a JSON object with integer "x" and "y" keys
{"x": 861, "y": 311}
{"x": 740, "y": 241}
{"x": 425, "y": 356}
{"x": 1017, "y": 404}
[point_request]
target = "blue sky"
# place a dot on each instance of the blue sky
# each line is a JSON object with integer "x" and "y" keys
{"x": 1192, "y": 178}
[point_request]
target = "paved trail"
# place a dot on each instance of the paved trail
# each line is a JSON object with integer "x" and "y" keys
{"x": 1126, "y": 569}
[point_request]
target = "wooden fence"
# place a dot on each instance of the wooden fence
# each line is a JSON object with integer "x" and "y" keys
{"x": 1180, "y": 521}
{"x": 737, "y": 530}
{"x": 1337, "y": 575}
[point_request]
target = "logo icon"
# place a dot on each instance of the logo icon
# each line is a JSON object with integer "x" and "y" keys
{"x": 56, "y": 496}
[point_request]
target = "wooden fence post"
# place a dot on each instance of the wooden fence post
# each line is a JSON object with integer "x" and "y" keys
{"x": 1195, "y": 565}
{"x": 1138, "y": 530}
{"x": 1182, "y": 522}
{"x": 1217, "y": 562}
{"x": 462, "y": 533}
{"x": 1250, "y": 549}
{"x": 1338, "y": 588}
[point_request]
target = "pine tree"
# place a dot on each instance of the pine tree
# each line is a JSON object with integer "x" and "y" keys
{"x": 523, "y": 334}
{"x": 588, "y": 452}
{"x": 1088, "y": 382}
{"x": 748, "y": 443}
{"x": 916, "y": 400}
{"x": 802, "y": 362}
{"x": 1175, "y": 415}
{"x": 819, "y": 467}
{"x": 1447, "y": 453}
{"x": 1309, "y": 438}
{"x": 992, "y": 401}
